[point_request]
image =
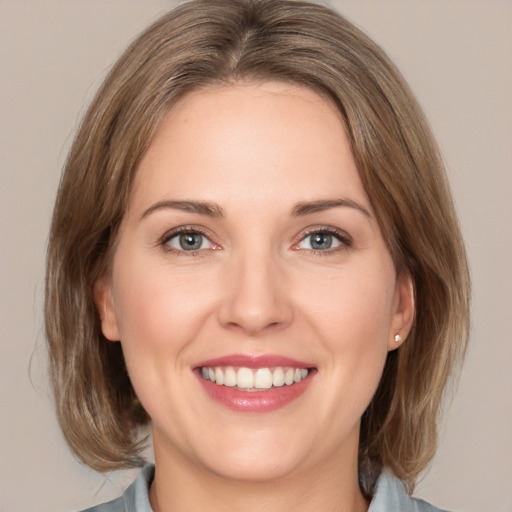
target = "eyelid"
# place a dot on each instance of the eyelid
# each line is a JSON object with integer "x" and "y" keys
{"x": 342, "y": 236}
{"x": 179, "y": 230}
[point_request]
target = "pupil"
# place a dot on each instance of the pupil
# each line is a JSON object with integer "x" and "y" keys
{"x": 321, "y": 241}
{"x": 190, "y": 241}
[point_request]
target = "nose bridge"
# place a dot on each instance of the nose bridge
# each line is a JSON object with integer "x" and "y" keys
{"x": 255, "y": 299}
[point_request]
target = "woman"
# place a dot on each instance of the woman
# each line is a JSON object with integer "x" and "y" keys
{"x": 254, "y": 247}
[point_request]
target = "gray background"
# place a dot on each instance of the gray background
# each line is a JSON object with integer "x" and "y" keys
{"x": 456, "y": 55}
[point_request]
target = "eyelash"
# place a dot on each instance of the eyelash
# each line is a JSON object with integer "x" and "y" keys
{"x": 340, "y": 236}
{"x": 183, "y": 230}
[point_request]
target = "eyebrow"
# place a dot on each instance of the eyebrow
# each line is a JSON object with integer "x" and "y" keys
{"x": 201, "y": 207}
{"x": 306, "y": 208}
{"x": 210, "y": 209}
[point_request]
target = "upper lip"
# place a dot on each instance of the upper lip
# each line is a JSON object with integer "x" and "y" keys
{"x": 253, "y": 361}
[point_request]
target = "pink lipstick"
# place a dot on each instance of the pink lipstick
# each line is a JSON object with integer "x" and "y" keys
{"x": 254, "y": 383}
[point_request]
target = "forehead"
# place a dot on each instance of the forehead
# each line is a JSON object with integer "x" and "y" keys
{"x": 249, "y": 139}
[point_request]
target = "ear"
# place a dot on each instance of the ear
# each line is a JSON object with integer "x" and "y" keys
{"x": 105, "y": 306}
{"x": 403, "y": 311}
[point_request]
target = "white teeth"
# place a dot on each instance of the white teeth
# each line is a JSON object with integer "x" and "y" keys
{"x": 249, "y": 379}
{"x": 245, "y": 378}
{"x": 278, "y": 377}
{"x": 229, "y": 377}
{"x": 263, "y": 378}
{"x": 219, "y": 376}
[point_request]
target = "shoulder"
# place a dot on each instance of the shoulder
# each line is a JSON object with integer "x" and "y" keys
{"x": 390, "y": 496}
{"x": 134, "y": 499}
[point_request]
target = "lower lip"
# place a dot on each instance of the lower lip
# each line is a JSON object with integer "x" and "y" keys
{"x": 255, "y": 401}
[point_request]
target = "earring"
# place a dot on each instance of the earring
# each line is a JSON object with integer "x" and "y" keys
{"x": 398, "y": 338}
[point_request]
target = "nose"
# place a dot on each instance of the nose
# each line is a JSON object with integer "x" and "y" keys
{"x": 257, "y": 296}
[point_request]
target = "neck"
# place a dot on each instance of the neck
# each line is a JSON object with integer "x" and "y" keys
{"x": 179, "y": 484}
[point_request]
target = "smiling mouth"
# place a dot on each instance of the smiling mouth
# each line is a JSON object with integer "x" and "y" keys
{"x": 253, "y": 379}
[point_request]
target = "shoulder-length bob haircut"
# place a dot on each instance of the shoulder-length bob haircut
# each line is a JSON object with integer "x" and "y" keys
{"x": 206, "y": 43}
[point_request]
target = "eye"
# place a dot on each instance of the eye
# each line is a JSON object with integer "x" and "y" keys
{"x": 188, "y": 241}
{"x": 324, "y": 240}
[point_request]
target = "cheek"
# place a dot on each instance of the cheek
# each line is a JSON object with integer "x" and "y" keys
{"x": 158, "y": 315}
{"x": 352, "y": 314}
{"x": 353, "y": 305}
{"x": 155, "y": 303}
{"x": 347, "y": 315}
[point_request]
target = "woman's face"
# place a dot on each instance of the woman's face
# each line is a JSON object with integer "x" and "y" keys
{"x": 250, "y": 255}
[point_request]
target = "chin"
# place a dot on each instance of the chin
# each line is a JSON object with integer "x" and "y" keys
{"x": 253, "y": 466}
{"x": 246, "y": 454}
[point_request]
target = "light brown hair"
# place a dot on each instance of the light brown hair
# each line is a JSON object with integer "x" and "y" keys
{"x": 212, "y": 42}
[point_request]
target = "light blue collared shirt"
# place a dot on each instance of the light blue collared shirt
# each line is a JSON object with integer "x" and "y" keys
{"x": 390, "y": 496}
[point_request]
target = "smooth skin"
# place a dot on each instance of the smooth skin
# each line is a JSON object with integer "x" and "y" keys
{"x": 249, "y": 232}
